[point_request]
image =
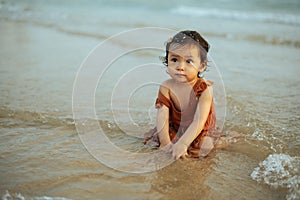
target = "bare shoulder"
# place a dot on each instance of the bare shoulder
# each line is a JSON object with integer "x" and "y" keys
{"x": 207, "y": 94}
{"x": 209, "y": 88}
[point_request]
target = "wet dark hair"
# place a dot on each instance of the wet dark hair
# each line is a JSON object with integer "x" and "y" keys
{"x": 187, "y": 37}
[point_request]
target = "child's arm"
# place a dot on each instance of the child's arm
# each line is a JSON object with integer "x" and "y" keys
{"x": 200, "y": 117}
{"x": 162, "y": 124}
{"x": 162, "y": 120}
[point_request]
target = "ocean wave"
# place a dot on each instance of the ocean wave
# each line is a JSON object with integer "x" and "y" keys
{"x": 11, "y": 118}
{"x": 238, "y": 15}
{"x": 265, "y": 39}
{"x": 19, "y": 196}
{"x": 280, "y": 170}
{"x": 18, "y": 118}
{"x": 57, "y": 27}
{"x": 66, "y": 23}
{"x": 259, "y": 38}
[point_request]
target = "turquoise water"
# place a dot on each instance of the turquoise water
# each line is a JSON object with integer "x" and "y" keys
{"x": 255, "y": 48}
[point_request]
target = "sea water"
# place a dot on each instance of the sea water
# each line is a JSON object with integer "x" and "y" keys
{"x": 254, "y": 59}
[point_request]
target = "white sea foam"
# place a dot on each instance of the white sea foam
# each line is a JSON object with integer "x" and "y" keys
{"x": 280, "y": 170}
{"x": 19, "y": 196}
{"x": 239, "y": 15}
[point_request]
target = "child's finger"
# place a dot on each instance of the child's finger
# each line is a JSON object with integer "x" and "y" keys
{"x": 174, "y": 156}
{"x": 185, "y": 156}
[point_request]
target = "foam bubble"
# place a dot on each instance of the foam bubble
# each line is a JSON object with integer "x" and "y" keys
{"x": 280, "y": 170}
{"x": 19, "y": 196}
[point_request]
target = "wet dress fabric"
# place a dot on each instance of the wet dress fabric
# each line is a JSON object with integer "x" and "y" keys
{"x": 179, "y": 121}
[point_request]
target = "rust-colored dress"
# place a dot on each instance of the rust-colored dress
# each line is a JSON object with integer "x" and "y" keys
{"x": 180, "y": 121}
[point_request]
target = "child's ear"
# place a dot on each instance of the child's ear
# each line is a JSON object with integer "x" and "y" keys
{"x": 203, "y": 66}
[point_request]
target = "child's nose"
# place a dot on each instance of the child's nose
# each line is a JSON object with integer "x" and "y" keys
{"x": 180, "y": 66}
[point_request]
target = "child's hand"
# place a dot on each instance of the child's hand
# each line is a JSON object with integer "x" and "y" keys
{"x": 179, "y": 150}
{"x": 206, "y": 146}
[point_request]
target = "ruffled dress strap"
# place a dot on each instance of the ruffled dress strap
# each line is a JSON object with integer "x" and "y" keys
{"x": 162, "y": 100}
{"x": 200, "y": 86}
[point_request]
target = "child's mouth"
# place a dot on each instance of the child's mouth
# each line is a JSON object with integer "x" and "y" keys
{"x": 180, "y": 75}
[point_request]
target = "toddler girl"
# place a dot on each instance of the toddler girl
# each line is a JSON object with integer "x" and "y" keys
{"x": 186, "y": 119}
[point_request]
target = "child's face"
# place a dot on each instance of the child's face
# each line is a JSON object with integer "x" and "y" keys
{"x": 184, "y": 62}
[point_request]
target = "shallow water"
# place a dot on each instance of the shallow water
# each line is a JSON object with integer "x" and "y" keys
{"x": 43, "y": 44}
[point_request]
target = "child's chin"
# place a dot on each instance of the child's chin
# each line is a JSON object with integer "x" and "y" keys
{"x": 180, "y": 79}
{"x": 183, "y": 80}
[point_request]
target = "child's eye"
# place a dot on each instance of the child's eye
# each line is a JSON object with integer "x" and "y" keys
{"x": 174, "y": 59}
{"x": 189, "y": 61}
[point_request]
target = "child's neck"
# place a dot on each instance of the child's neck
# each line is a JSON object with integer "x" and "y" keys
{"x": 189, "y": 84}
